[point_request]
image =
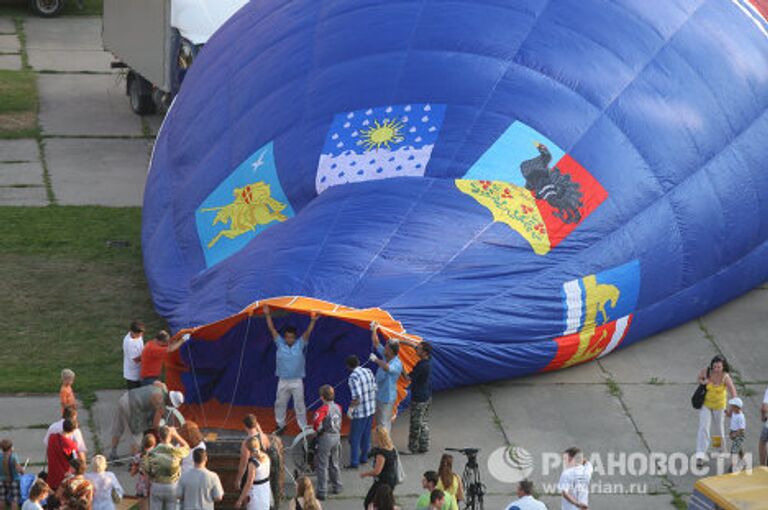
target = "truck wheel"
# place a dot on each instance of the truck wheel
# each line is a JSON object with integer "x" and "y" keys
{"x": 46, "y": 8}
{"x": 140, "y": 94}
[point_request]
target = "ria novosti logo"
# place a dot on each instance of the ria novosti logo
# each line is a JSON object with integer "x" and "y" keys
{"x": 510, "y": 464}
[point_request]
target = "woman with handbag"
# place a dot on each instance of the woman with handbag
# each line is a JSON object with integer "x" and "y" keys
{"x": 720, "y": 388}
{"x": 107, "y": 491}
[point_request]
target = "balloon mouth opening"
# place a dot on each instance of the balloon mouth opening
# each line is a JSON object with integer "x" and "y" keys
{"x": 226, "y": 368}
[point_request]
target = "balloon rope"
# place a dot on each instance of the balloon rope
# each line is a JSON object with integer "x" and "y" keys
{"x": 239, "y": 370}
{"x": 197, "y": 386}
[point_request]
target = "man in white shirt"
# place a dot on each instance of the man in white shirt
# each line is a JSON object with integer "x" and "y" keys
{"x": 526, "y": 501}
{"x": 70, "y": 413}
{"x": 574, "y": 480}
{"x": 762, "y": 445}
{"x": 133, "y": 345}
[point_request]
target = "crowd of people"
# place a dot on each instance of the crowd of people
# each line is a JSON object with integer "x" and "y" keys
{"x": 169, "y": 457}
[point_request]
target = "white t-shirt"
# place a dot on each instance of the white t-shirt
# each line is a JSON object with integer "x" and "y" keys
{"x": 188, "y": 462}
{"x": 527, "y": 503}
{"x": 575, "y": 480}
{"x": 31, "y": 505}
{"x": 58, "y": 428}
{"x": 132, "y": 348}
{"x": 738, "y": 421}
{"x": 765, "y": 402}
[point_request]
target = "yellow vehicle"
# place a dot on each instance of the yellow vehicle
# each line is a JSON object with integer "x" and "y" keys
{"x": 737, "y": 491}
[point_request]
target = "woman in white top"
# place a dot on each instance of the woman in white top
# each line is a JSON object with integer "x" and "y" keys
{"x": 255, "y": 483}
{"x": 104, "y": 482}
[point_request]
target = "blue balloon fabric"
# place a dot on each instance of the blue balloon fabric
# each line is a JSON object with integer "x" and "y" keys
{"x": 527, "y": 185}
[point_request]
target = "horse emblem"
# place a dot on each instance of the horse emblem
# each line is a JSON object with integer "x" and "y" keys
{"x": 252, "y": 206}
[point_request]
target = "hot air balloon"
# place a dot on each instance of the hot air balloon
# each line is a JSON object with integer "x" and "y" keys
{"x": 527, "y": 185}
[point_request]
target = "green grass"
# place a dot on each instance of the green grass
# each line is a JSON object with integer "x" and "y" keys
{"x": 18, "y": 91}
{"x": 18, "y": 104}
{"x": 69, "y": 295}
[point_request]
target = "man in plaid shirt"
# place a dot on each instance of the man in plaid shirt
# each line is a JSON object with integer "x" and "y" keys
{"x": 362, "y": 385}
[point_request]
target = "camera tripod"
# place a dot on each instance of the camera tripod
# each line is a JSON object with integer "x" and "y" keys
{"x": 474, "y": 488}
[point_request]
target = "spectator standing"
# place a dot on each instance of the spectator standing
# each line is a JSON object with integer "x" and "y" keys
{"x": 252, "y": 430}
{"x": 389, "y": 371}
{"x": 384, "y": 470}
{"x": 290, "y": 370}
{"x": 133, "y": 345}
{"x": 106, "y": 487}
{"x": 61, "y": 450}
{"x": 305, "y": 496}
{"x": 10, "y": 475}
{"x": 200, "y": 488}
{"x": 448, "y": 481}
{"x": 383, "y": 499}
{"x": 66, "y": 393}
{"x": 327, "y": 424}
{"x": 762, "y": 444}
{"x": 720, "y": 388}
{"x": 362, "y": 386}
{"x": 75, "y": 492}
{"x": 57, "y": 427}
{"x": 421, "y": 399}
{"x": 526, "y": 500}
{"x": 153, "y": 358}
{"x": 38, "y": 492}
{"x": 436, "y": 500}
{"x": 737, "y": 432}
{"x": 429, "y": 484}
{"x": 137, "y": 470}
{"x": 255, "y": 485}
{"x": 194, "y": 438}
{"x": 163, "y": 465}
{"x": 574, "y": 480}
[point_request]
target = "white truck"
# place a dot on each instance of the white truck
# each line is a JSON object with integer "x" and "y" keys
{"x": 157, "y": 40}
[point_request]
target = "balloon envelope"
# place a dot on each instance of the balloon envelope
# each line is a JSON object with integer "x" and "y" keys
{"x": 527, "y": 185}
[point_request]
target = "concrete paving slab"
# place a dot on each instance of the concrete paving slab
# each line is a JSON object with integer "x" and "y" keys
{"x": 546, "y": 422}
{"x": 9, "y": 43}
{"x": 739, "y": 330}
{"x": 19, "y": 150}
{"x": 66, "y": 33}
{"x": 23, "y": 196}
{"x": 676, "y": 355}
{"x": 669, "y": 425}
{"x": 28, "y": 444}
{"x": 15, "y": 174}
{"x": 103, "y": 411}
{"x": 70, "y": 60}
{"x": 10, "y": 62}
{"x": 586, "y": 373}
{"x": 7, "y": 26}
{"x": 81, "y": 105}
{"x": 154, "y": 122}
{"x": 109, "y": 172}
{"x": 29, "y": 410}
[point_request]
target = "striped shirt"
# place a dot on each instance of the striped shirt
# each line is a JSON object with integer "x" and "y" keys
{"x": 363, "y": 387}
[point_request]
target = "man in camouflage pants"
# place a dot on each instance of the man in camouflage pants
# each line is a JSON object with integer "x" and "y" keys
{"x": 421, "y": 399}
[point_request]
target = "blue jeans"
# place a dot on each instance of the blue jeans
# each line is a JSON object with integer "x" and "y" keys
{"x": 359, "y": 440}
{"x": 147, "y": 381}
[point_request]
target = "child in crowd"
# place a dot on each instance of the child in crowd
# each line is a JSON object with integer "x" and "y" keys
{"x": 137, "y": 470}
{"x": 66, "y": 394}
{"x": 10, "y": 474}
{"x": 738, "y": 428}
{"x": 38, "y": 492}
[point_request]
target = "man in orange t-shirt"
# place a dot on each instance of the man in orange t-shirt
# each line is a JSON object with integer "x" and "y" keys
{"x": 153, "y": 358}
